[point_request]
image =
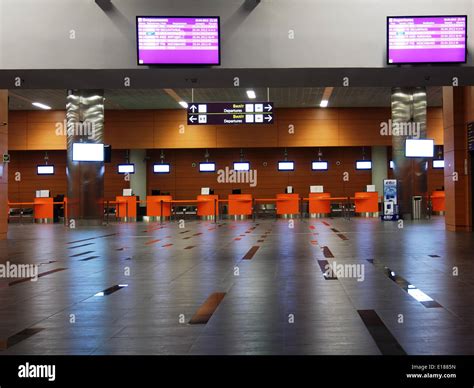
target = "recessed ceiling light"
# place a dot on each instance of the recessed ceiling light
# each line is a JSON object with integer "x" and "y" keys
{"x": 324, "y": 103}
{"x": 184, "y": 104}
{"x": 40, "y": 105}
{"x": 251, "y": 94}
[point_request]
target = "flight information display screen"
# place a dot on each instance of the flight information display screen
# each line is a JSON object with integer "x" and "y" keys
{"x": 178, "y": 40}
{"x": 426, "y": 39}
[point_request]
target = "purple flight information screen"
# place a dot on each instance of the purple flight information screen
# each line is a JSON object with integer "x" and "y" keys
{"x": 430, "y": 39}
{"x": 178, "y": 40}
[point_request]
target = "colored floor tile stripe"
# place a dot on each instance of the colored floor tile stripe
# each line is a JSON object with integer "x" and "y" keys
{"x": 110, "y": 290}
{"x": 81, "y": 254}
{"x": 204, "y": 313}
{"x": 89, "y": 258}
{"x": 152, "y": 242}
{"x": 18, "y": 337}
{"x": 323, "y": 264}
{"x": 92, "y": 238}
{"x": 251, "y": 252}
{"x": 166, "y": 245}
{"x": 325, "y": 223}
{"x": 80, "y": 246}
{"x": 342, "y": 236}
{"x": 327, "y": 253}
{"x": 190, "y": 247}
{"x": 382, "y": 336}
{"x": 18, "y": 281}
{"x": 406, "y": 286}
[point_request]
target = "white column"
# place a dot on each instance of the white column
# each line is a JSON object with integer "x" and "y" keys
{"x": 138, "y": 180}
{"x": 379, "y": 167}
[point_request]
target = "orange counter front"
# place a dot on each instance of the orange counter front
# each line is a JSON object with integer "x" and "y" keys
{"x": 154, "y": 205}
{"x": 127, "y": 208}
{"x": 43, "y": 210}
{"x": 207, "y": 205}
{"x": 319, "y": 203}
{"x": 287, "y": 204}
{"x": 366, "y": 203}
{"x": 438, "y": 201}
{"x": 240, "y": 204}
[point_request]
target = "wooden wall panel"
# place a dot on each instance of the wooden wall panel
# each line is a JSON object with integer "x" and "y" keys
{"x": 25, "y": 163}
{"x": 185, "y": 181}
{"x": 4, "y": 166}
{"x": 35, "y": 130}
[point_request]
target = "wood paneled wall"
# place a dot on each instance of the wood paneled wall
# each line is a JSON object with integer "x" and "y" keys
{"x": 4, "y": 166}
{"x": 185, "y": 181}
{"x": 25, "y": 163}
{"x": 148, "y": 129}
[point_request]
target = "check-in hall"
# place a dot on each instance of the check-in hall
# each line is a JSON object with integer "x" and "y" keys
{"x": 284, "y": 203}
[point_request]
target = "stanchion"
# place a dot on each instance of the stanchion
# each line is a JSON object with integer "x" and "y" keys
{"x": 215, "y": 210}
{"x": 161, "y": 212}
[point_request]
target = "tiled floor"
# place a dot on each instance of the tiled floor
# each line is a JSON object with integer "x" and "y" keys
{"x": 276, "y": 302}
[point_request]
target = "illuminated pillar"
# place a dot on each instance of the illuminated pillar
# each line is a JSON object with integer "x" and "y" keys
{"x": 85, "y": 180}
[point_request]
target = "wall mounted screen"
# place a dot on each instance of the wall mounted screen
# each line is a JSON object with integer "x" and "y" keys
{"x": 45, "y": 170}
{"x": 87, "y": 152}
{"x": 241, "y": 166}
{"x": 207, "y": 167}
{"x": 126, "y": 169}
{"x": 319, "y": 165}
{"x": 178, "y": 40}
{"x": 286, "y": 166}
{"x": 363, "y": 165}
{"x": 438, "y": 163}
{"x": 426, "y": 39}
{"x": 419, "y": 148}
{"x": 162, "y": 168}
{"x": 392, "y": 164}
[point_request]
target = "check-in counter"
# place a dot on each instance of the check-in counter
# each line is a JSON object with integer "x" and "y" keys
{"x": 240, "y": 206}
{"x": 158, "y": 207}
{"x": 319, "y": 205}
{"x": 438, "y": 201}
{"x": 126, "y": 208}
{"x": 287, "y": 205}
{"x": 43, "y": 210}
{"x": 207, "y": 206}
{"x": 366, "y": 204}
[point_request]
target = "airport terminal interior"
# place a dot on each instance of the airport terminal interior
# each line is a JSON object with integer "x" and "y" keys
{"x": 235, "y": 260}
{"x": 246, "y": 197}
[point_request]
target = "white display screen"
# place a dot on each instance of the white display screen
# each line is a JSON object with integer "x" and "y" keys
{"x": 45, "y": 170}
{"x": 438, "y": 163}
{"x": 87, "y": 152}
{"x": 207, "y": 167}
{"x": 319, "y": 165}
{"x": 392, "y": 165}
{"x": 286, "y": 166}
{"x": 163, "y": 168}
{"x": 419, "y": 148}
{"x": 363, "y": 165}
{"x": 126, "y": 169}
{"x": 241, "y": 166}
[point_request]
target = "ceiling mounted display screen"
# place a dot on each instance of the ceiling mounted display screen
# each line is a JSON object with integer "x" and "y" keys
{"x": 207, "y": 167}
{"x": 419, "y": 148}
{"x": 426, "y": 39}
{"x": 45, "y": 170}
{"x": 126, "y": 168}
{"x": 180, "y": 40}
{"x": 319, "y": 165}
{"x": 87, "y": 152}
{"x": 438, "y": 163}
{"x": 286, "y": 166}
{"x": 241, "y": 166}
{"x": 363, "y": 165}
{"x": 162, "y": 168}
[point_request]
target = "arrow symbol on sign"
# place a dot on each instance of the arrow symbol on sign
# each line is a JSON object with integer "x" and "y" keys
{"x": 268, "y": 118}
{"x": 268, "y": 107}
{"x": 193, "y": 108}
{"x": 192, "y": 119}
